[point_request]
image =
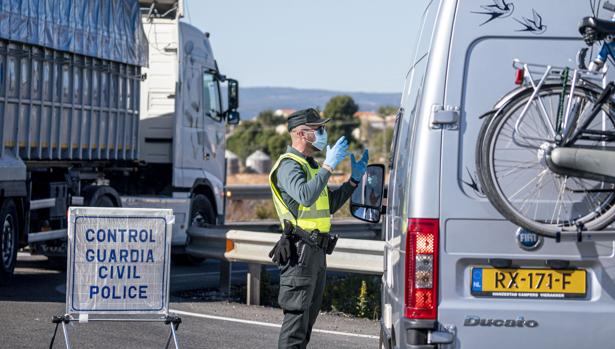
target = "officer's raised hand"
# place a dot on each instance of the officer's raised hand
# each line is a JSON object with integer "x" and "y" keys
{"x": 358, "y": 167}
{"x": 336, "y": 154}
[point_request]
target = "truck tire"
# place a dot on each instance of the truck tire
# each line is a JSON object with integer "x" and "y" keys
{"x": 95, "y": 200}
{"x": 101, "y": 196}
{"x": 9, "y": 226}
{"x": 201, "y": 211}
{"x": 201, "y": 214}
{"x": 103, "y": 201}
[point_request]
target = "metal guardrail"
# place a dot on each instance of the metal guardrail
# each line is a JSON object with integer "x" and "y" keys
{"x": 257, "y": 191}
{"x": 253, "y": 191}
{"x": 350, "y": 255}
{"x": 248, "y": 192}
{"x": 359, "y": 249}
{"x": 346, "y": 228}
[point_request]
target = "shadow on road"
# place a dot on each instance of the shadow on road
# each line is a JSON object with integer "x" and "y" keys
{"x": 39, "y": 279}
{"x": 36, "y": 279}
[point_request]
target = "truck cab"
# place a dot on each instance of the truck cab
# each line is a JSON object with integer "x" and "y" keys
{"x": 183, "y": 118}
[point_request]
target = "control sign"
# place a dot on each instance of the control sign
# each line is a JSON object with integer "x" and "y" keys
{"x": 118, "y": 260}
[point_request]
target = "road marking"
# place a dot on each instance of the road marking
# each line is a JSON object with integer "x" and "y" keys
{"x": 191, "y": 275}
{"x": 266, "y": 324}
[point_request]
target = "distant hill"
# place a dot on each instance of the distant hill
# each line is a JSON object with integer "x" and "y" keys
{"x": 253, "y": 100}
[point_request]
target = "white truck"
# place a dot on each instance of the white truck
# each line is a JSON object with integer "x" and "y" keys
{"x": 85, "y": 122}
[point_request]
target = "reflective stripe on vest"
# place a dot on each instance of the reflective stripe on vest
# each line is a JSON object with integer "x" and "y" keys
{"x": 308, "y": 218}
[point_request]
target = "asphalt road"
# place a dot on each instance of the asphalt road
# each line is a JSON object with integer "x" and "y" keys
{"x": 37, "y": 293}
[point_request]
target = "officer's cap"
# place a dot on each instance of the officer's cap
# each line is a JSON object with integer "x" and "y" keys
{"x": 308, "y": 117}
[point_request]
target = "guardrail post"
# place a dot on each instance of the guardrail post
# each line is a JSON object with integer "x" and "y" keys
{"x": 254, "y": 284}
{"x": 225, "y": 277}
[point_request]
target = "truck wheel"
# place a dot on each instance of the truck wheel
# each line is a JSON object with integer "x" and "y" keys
{"x": 201, "y": 214}
{"x": 101, "y": 196}
{"x": 104, "y": 201}
{"x": 201, "y": 211}
{"x": 60, "y": 262}
{"x": 9, "y": 226}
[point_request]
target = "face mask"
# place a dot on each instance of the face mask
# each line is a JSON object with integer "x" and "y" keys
{"x": 321, "y": 140}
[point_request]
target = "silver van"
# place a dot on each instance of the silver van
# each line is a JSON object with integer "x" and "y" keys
{"x": 457, "y": 274}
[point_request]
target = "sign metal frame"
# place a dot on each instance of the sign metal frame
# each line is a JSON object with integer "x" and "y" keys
{"x": 157, "y": 314}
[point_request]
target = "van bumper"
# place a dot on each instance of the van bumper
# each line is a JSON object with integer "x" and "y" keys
{"x": 415, "y": 334}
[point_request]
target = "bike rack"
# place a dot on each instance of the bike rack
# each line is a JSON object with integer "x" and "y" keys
{"x": 580, "y": 234}
{"x": 535, "y": 75}
{"x": 555, "y": 72}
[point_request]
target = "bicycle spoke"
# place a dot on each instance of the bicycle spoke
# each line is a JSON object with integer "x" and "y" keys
{"x": 558, "y": 202}
{"x": 524, "y": 184}
{"x": 540, "y": 180}
{"x": 530, "y": 193}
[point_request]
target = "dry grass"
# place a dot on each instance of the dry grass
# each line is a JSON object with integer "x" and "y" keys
{"x": 249, "y": 210}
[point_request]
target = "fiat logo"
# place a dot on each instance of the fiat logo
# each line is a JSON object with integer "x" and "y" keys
{"x": 528, "y": 240}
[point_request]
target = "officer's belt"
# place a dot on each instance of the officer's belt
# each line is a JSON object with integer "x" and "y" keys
{"x": 313, "y": 238}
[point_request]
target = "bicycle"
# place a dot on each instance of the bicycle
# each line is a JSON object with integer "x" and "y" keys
{"x": 546, "y": 155}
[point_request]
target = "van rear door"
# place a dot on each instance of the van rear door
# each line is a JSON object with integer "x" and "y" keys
{"x": 476, "y": 240}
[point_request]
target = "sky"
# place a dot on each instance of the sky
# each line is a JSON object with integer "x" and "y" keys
{"x": 341, "y": 45}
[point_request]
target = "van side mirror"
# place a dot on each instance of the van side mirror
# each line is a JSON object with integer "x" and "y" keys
{"x": 366, "y": 200}
{"x": 232, "y": 117}
{"x": 233, "y": 94}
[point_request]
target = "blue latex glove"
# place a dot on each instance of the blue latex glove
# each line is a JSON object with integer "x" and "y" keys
{"x": 337, "y": 153}
{"x": 358, "y": 167}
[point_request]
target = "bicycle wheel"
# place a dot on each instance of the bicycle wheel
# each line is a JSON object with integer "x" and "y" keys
{"x": 516, "y": 178}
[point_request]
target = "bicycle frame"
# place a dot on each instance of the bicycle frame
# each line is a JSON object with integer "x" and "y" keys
{"x": 535, "y": 76}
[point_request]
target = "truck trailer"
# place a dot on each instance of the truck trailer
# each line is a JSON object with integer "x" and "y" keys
{"x": 106, "y": 104}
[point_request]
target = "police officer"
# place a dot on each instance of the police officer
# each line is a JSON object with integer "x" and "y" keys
{"x": 301, "y": 197}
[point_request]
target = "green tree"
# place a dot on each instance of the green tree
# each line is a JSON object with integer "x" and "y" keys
{"x": 241, "y": 142}
{"x": 380, "y": 144}
{"x": 341, "y": 107}
{"x": 258, "y": 134}
{"x": 262, "y": 137}
{"x": 276, "y": 145}
{"x": 341, "y": 110}
{"x": 267, "y": 118}
{"x": 386, "y": 110}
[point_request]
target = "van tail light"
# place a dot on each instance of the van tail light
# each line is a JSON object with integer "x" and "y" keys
{"x": 422, "y": 268}
{"x": 519, "y": 74}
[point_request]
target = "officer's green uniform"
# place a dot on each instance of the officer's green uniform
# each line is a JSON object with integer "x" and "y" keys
{"x": 300, "y": 194}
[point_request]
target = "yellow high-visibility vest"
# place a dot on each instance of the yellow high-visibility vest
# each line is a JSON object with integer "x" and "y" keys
{"x": 308, "y": 218}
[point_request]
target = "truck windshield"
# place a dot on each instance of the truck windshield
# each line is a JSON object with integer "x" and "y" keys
{"x": 211, "y": 97}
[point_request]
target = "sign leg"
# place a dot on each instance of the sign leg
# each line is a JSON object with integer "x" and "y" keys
{"x": 173, "y": 335}
{"x": 174, "y": 321}
{"x": 66, "y": 339}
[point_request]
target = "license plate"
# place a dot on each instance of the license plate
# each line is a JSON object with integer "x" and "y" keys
{"x": 529, "y": 283}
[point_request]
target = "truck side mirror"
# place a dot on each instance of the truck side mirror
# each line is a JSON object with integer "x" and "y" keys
{"x": 232, "y": 117}
{"x": 366, "y": 200}
{"x": 233, "y": 94}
